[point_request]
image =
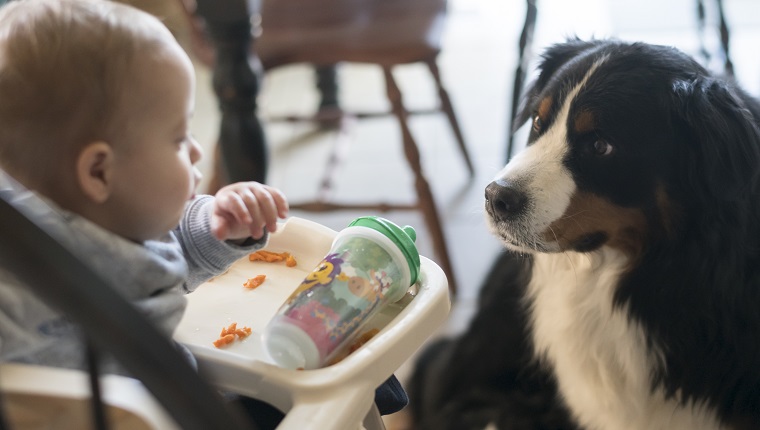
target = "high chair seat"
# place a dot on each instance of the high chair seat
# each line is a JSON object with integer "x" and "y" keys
{"x": 36, "y": 396}
{"x": 338, "y": 396}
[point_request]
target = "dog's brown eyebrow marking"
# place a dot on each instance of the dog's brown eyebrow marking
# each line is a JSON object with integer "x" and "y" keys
{"x": 584, "y": 122}
{"x": 545, "y": 107}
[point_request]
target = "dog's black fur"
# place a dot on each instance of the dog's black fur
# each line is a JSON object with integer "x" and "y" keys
{"x": 488, "y": 374}
{"x": 688, "y": 161}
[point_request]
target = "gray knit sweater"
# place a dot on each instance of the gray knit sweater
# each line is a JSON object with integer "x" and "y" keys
{"x": 154, "y": 276}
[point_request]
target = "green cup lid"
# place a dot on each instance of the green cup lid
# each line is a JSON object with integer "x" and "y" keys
{"x": 403, "y": 237}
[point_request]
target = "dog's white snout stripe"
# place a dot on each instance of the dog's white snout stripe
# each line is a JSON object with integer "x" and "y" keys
{"x": 540, "y": 173}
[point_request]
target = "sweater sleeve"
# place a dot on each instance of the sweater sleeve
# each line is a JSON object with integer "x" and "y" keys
{"x": 206, "y": 255}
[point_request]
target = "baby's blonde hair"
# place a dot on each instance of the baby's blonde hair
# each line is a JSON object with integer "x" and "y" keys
{"x": 64, "y": 65}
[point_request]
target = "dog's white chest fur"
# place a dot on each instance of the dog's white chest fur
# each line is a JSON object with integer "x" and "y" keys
{"x": 598, "y": 353}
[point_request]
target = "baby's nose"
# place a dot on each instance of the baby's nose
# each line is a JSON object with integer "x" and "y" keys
{"x": 196, "y": 150}
{"x": 197, "y": 176}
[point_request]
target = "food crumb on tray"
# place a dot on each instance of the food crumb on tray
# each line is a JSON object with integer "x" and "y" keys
{"x": 273, "y": 257}
{"x": 255, "y": 282}
{"x": 230, "y": 333}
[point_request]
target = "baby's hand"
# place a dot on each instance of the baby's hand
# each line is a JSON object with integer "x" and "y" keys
{"x": 244, "y": 209}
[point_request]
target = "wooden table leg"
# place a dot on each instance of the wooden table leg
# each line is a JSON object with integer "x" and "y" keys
{"x": 242, "y": 150}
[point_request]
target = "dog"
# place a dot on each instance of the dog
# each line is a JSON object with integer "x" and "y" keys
{"x": 628, "y": 294}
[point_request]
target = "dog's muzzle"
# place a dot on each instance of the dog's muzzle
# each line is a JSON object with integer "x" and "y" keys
{"x": 504, "y": 201}
{"x": 509, "y": 216}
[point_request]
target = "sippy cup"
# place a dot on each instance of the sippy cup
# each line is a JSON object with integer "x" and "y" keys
{"x": 371, "y": 263}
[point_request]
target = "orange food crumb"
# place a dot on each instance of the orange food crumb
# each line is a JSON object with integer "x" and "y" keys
{"x": 264, "y": 255}
{"x": 290, "y": 261}
{"x": 273, "y": 257}
{"x": 255, "y": 282}
{"x": 243, "y": 333}
{"x": 230, "y": 333}
{"x": 224, "y": 340}
{"x": 228, "y": 330}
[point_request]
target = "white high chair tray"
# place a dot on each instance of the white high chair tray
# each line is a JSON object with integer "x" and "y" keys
{"x": 333, "y": 397}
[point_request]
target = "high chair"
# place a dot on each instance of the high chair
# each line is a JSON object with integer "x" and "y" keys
{"x": 339, "y": 396}
{"x": 385, "y": 33}
{"x": 334, "y": 397}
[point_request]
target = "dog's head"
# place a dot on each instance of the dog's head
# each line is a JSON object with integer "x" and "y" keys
{"x": 627, "y": 142}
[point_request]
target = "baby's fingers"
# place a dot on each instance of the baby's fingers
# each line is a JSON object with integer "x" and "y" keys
{"x": 240, "y": 214}
{"x": 249, "y": 208}
{"x": 255, "y": 213}
{"x": 238, "y": 206}
{"x": 268, "y": 206}
{"x": 279, "y": 206}
{"x": 280, "y": 201}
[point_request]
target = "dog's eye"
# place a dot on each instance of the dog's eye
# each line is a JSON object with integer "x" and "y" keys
{"x": 537, "y": 123}
{"x": 602, "y": 147}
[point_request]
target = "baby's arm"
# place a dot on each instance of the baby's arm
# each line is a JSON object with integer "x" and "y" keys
{"x": 246, "y": 209}
{"x": 217, "y": 231}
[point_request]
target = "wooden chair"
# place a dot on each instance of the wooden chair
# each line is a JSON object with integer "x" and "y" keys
{"x": 385, "y": 33}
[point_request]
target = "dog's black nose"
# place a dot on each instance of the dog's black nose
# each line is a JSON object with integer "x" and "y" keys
{"x": 504, "y": 200}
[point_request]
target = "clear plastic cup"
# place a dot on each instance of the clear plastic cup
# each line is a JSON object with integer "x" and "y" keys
{"x": 371, "y": 263}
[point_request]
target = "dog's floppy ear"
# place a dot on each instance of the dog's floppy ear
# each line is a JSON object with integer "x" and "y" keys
{"x": 722, "y": 139}
{"x": 551, "y": 61}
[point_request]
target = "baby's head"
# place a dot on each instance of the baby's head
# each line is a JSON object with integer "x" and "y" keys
{"x": 95, "y": 103}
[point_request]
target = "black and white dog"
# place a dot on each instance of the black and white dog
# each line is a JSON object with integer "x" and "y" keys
{"x": 629, "y": 294}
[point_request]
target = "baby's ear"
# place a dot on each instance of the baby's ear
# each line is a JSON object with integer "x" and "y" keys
{"x": 94, "y": 171}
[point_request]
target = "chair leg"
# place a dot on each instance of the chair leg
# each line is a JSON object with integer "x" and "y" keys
{"x": 236, "y": 82}
{"x": 448, "y": 108}
{"x": 524, "y": 48}
{"x": 424, "y": 194}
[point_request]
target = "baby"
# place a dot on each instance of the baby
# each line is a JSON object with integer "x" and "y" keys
{"x": 95, "y": 103}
